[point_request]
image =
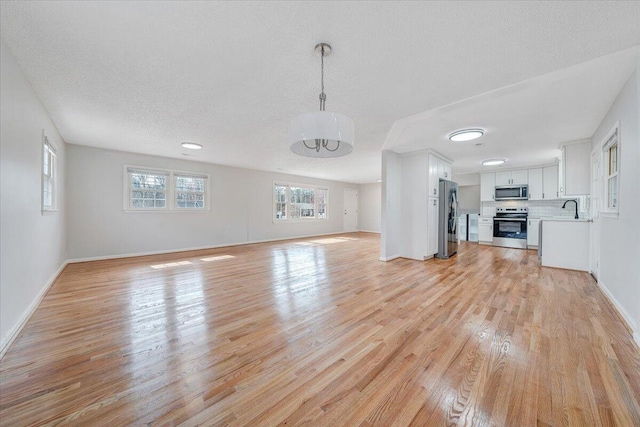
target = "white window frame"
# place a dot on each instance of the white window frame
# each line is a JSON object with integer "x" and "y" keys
{"x": 49, "y": 155}
{"x": 611, "y": 139}
{"x": 205, "y": 193}
{"x": 171, "y": 205}
{"x": 288, "y": 186}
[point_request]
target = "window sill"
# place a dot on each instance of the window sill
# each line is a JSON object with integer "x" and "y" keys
{"x": 49, "y": 211}
{"x": 613, "y": 215}
{"x": 298, "y": 221}
{"x": 167, "y": 211}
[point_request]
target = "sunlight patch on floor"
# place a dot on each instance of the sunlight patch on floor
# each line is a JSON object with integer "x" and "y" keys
{"x": 327, "y": 241}
{"x": 216, "y": 258}
{"x": 170, "y": 264}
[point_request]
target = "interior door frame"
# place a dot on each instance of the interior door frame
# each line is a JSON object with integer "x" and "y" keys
{"x": 344, "y": 225}
{"x": 595, "y": 199}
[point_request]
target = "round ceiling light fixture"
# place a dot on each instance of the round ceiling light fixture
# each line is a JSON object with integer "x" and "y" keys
{"x": 493, "y": 162}
{"x": 191, "y": 145}
{"x": 322, "y": 133}
{"x": 466, "y": 135}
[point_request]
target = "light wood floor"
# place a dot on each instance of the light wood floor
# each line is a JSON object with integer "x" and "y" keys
{"x": 320, "y": 333}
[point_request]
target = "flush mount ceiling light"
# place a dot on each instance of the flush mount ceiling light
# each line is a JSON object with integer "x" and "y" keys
{"x": 493, "y": 162}
{"x": 466, "y": 135}
{"x": 191, "y": 145}
{"x": 321, "y": 133}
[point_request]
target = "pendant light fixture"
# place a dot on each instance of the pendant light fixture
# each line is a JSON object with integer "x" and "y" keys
{"x": 322, "y": 133}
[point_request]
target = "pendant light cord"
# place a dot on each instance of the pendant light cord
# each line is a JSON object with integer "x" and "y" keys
{"x": 323, "y": 96}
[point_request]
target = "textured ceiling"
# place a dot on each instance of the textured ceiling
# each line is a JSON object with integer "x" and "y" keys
{"x": 525, "y": 122}
{"x": 144, "y": 77}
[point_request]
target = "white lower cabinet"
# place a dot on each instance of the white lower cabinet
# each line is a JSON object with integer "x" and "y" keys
{"x": 485, "y": 230}
{"x": 533, "y": 229}
{"x": 432, "y": 246}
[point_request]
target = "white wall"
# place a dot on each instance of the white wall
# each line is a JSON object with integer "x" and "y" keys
{"x": 466, "y": 179}
{"x": 369, "y": 207}
{"x": 391, "y": 205}
{"x": 469, "y": 198}
{"x": 413, "y": 213}
{"x": 32, "y": 247}
{"x": 620, "y": 237}
{"x": 241, "y": 207}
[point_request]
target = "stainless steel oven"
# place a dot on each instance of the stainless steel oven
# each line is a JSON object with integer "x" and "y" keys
{"x": 510, "y": 227}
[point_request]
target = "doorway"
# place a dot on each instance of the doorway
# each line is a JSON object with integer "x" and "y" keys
{"x": 594, "y": 209}
{"x": 350, "y": 221}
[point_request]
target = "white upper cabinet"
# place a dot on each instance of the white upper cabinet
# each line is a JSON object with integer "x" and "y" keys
{"x": 550, "y": 183}
{"x": 575, "y": 172}
{"x": 503, "y": 178}
{"x": 438, "y": 169}
{"x": 519, "y": 177}
{"x": 487, "y": 187}
{"x": 447, "y": 171}
{"x": 433, "y": 176}
{"x": 535, "y": 184}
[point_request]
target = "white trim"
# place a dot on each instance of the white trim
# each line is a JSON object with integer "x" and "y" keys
{"x": 13, "y": 333}
{"x": 613, "y": 215}
{"x": 626, "y": 317}
{"x": 636, "y": 338}
{"x": 197, "y": 248}
{"x": 605, "y": 145}
{"x": 368, "y": 231}
{"x": 389, "y": 258}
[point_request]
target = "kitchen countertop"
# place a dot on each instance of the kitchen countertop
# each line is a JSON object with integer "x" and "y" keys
{"x": 566, "y": 219}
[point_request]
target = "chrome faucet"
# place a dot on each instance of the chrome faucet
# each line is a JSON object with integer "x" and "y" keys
{"x": 574, "y": 201}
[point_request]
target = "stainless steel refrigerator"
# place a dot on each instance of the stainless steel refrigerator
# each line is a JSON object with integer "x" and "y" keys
{"x": 448, "y": 219}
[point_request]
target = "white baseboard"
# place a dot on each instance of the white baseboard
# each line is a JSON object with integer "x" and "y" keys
{"x": 368, "y": 231}
{"x": 11, "y": 335}
{"x": 389, "y": 258}
{"x": 197, "y": 248}
{"x": 631, "y": 324}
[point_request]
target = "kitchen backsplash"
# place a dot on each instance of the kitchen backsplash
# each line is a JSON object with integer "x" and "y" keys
{"x": 537, "y": 208}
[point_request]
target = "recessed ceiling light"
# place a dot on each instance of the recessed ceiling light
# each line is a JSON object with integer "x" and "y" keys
{"x": 493, "y": 162}
{"x": 378, "y": 180}
{"x": 191, "y": 145}
{"x": 466, "y": 135}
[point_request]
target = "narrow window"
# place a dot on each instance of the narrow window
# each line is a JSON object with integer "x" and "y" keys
{"x": 280, "y": 193}
{"x": 49, "y": 172}
{"x": 611, "y": 151}
{"x": 322, "y": 203}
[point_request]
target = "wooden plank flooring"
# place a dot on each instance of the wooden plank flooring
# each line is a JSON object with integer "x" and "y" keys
{"x": 318, "y": 332}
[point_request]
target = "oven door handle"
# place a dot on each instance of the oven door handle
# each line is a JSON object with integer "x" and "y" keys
{"x": 511, "y": 219}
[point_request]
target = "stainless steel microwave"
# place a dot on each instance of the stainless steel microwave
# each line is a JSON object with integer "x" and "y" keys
{"x": 512, "y": 192}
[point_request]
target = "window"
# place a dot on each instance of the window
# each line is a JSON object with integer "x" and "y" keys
{"x": 49, "y": 172}
{"x": 611, "y": 161}
{"x": 281, "y": 202}
{"x": 299, "y": 202}
{"x": 322, "y": 203}
{"x": 303, "y": 203}
{"x": 164, "y": 190}
{"x": 148, "y": 189}
{"x": 190, "y": 191}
